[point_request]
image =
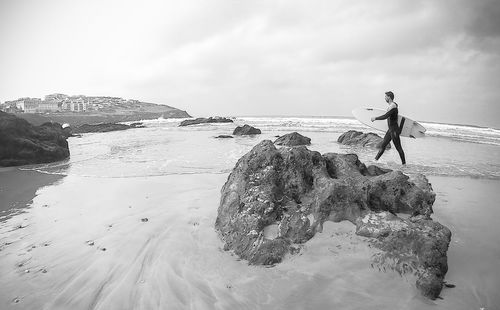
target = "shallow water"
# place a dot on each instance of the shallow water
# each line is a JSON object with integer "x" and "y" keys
{"x": 83, "y": 243}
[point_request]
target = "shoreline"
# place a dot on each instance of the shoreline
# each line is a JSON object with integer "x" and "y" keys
{"x": 19, "y": 187}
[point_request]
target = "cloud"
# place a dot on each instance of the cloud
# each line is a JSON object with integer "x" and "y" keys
{"x": 260, "y": 57}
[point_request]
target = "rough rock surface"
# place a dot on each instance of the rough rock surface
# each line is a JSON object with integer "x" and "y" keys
{"x": 22, "y": 143}
{"x": 203, "y": 120}
{"x": 293, "y": 139}
{"x": 246, "y": 130}
{"x": 298, "y": 190}
{"x": 353, "y": 137}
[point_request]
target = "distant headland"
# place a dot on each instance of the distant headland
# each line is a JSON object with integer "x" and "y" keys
{"x": 81, "y": 109}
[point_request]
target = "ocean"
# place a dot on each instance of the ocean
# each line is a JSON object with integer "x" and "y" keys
{"x": 149, "y": 198}
{"x": 164, "y": 148}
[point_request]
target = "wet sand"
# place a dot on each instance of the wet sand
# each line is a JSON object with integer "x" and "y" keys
{"x": 18, "y": 188}
{"x": 149, "y": 243}
{"x": 470, "y": 209}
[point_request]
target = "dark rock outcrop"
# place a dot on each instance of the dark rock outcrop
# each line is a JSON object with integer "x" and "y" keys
{"x": 86, "y": 128}
{"x": 246, "y": 130}
{"x": 293, "y": 139}
{"x": 298, "y": 190}
{"x": 137, "y": 125}
{"x": 96, "y": 117}
{"x": 203, "y": 120}
{"x": 22, "y": 143}
{"x": 353, "y": 137}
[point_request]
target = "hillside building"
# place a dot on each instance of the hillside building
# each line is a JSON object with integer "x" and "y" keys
{"x": 75, "y": 105}
{"x": 28, "y": 105}
{"x": 48, "y": 106}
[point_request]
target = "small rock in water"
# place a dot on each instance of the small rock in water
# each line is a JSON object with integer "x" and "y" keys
{"x": 144, "y": 219}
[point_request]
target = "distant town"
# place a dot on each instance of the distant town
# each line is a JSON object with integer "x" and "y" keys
{"x": 55, "y": 103}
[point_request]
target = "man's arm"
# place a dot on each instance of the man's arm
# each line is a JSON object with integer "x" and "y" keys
{"x": 385, "y": 116}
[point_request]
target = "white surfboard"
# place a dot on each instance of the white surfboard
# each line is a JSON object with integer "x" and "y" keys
{"x": 408, "y": 127}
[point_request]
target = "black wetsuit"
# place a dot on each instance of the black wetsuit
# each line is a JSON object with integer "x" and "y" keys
{"x": 392, "y": 133}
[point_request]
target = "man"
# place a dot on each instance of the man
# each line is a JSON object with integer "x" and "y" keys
{"x": 393, "y": 131}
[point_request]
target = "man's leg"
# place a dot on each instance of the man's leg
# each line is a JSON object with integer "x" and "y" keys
{"x": 397, "y": 143}
{"x": 383, "y": 145}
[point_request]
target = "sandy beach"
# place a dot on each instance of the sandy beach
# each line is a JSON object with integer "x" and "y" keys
{"x": 128, "y": 223}
{"x": 149, "y": 243}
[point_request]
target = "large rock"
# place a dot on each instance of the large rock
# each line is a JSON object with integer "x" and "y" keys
{"x": 105, "y": 127}
{"x": 297, "y": 190}
{"x": 293, "y": 139}
{"x": 246, "y": 130}
{"x": 22, "y": 143}
{"x": 204, "y": 120}
{"x": 357, "y": 138}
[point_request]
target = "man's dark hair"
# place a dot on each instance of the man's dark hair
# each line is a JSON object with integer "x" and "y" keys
{"x": 390, "y": 94}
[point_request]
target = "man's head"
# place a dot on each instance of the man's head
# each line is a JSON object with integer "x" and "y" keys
{"x": 389, "y": 95}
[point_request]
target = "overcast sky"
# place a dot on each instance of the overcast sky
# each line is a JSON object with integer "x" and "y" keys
{"x": 228, "y": 58}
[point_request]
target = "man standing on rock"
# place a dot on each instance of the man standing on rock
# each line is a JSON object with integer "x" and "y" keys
{"x": 393, "y": 131}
